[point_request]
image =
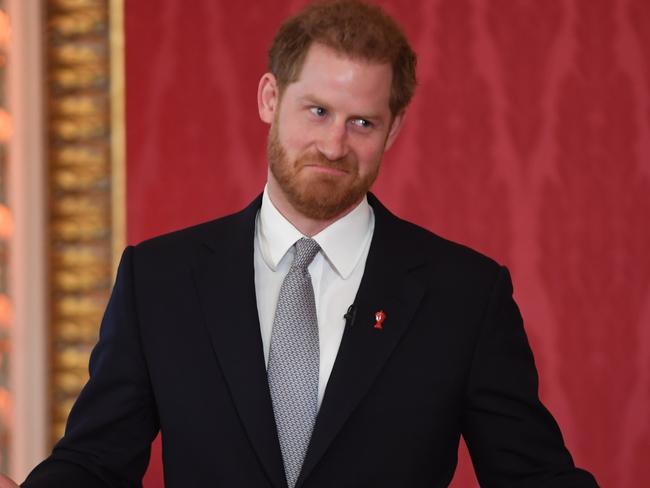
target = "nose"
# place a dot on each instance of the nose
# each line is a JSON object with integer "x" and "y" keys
{"x": 333, "y": 142}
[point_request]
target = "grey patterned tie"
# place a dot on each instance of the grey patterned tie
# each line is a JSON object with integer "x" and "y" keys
{"x": 294, "y": 361}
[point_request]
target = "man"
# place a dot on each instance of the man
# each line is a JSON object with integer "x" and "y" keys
{"x": 314, "y": 339}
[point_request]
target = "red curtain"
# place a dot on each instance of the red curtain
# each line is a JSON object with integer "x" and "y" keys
{"x": 528, "y": 139}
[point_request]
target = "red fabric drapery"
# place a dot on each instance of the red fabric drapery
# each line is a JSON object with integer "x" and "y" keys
{"x": 528, "y": 139}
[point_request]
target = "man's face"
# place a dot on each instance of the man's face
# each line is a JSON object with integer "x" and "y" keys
{"x": 329, "y": 130}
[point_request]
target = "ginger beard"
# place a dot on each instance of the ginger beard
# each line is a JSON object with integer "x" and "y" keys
{"x": 317, "y": 196}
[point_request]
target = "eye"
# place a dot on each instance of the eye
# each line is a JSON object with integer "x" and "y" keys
{"x": 318, "y": 111}
{"x": 363, "y": 123}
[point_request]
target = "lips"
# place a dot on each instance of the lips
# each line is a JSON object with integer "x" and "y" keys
{"x": 326, "y": 169}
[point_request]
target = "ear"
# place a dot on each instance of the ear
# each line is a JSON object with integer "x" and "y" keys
{"x": 268, "y": 97}
{"x": 395, "y": 127}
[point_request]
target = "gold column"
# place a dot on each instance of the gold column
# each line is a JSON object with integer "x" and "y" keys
{"x": 85, "y": 163}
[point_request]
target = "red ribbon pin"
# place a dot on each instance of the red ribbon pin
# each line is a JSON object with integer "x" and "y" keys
{"x": 379, "y": 320}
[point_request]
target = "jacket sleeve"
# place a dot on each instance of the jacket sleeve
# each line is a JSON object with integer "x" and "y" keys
{"x": 513, "y": 440}
{"x": 110, "y": 428}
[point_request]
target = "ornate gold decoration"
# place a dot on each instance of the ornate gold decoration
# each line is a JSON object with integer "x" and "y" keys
{"x": 118, "y": 130}
{"x": 85, "y": 160}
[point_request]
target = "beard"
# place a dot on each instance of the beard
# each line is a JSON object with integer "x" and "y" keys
{"x": 317, "y": 196}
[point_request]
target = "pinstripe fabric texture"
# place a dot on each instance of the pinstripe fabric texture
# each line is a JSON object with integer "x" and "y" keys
{"x": 294, "y": 360}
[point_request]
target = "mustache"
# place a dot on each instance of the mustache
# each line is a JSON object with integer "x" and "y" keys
{"x": 345, "y": 163}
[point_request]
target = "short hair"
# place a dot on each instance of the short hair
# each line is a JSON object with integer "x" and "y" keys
{"x": 356, "y": 30}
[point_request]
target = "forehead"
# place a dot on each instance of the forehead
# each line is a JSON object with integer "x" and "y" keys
{"x": 334, "y": 78}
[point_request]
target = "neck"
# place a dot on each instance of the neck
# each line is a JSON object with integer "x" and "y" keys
{"x": 307, "y": 226}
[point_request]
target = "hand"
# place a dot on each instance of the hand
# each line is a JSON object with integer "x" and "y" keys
{"x": 6, "y": 482}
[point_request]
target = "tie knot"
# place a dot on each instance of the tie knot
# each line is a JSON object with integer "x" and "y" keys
{"x": 306, "y": 250}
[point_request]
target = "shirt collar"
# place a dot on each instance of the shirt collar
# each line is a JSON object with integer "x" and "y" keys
{"x": 342, "y": 243}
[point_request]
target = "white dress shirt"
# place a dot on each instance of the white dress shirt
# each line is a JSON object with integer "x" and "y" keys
{"x": 336, "y": 273}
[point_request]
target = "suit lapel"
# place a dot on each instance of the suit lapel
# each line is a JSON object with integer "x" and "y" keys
{"x": 225, "y": 281}
{"x": 392, "y": 283}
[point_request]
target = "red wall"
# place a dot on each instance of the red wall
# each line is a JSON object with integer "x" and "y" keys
{"x": 529, "y": 139}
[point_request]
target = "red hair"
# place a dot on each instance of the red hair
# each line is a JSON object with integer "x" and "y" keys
{"x": 353, "y": 28}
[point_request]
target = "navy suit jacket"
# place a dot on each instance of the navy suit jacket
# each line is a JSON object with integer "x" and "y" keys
{"x": 180, "y": 350}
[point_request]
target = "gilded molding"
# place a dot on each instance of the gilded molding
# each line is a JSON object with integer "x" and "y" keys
{"x": 118, "y": 129}
{"x": 82, "y": 188}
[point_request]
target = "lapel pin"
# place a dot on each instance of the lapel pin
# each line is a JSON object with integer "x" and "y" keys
{"x": 379, "y": 320}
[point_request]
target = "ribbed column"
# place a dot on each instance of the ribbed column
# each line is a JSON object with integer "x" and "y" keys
{"x": 81, "y": 190}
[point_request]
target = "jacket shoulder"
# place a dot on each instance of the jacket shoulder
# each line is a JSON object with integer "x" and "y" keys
{"x": 182, "y": 246}
{"x": 445, "y": 254}
{"x": 421, "y": 244}
{"x": 187, "y": 236}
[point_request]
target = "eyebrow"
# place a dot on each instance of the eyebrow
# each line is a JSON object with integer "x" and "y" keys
{"x": 313, "y": 100}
